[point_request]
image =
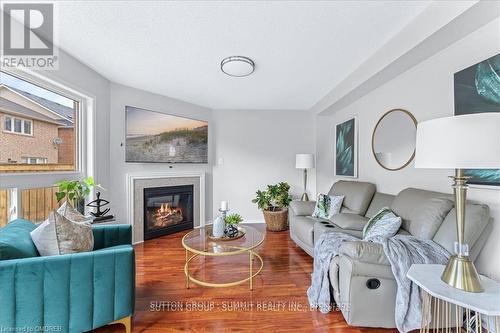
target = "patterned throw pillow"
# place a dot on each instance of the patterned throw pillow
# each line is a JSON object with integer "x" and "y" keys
{"x": 59, "y": 235}
{"x": 327, "y": 206}
{"x": 69, "y": 212}
{"x": 384, "y": 224}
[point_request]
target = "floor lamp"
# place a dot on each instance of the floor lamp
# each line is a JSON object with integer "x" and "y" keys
{"x": 304, "y": 161}
{"x": 460, "y": 142}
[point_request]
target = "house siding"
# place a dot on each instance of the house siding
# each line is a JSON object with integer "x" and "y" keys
{"x": 40, "y": 144}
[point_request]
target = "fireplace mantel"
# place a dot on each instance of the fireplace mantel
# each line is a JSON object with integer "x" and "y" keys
{"x": 135, "y": 182}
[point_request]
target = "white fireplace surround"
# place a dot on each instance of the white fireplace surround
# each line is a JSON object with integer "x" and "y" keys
{"x": 131, "y": 179}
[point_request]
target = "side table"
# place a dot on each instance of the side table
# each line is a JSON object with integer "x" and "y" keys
{"x": 444, "y": 307}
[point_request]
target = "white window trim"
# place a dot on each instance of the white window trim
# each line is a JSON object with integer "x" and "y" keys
{"x": 12, "y": 122}
{"x": 85, "y": 150}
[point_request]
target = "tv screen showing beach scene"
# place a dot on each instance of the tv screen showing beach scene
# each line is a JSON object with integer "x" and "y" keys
{"x": 156, "y": 137}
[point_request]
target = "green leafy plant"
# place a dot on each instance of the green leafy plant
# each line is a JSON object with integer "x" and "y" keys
{"x": 75, "y": 190}
{"x": 233, "y": 219}
{"x": 275, "y": 198}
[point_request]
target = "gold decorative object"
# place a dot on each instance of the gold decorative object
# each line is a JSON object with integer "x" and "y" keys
{"x": 197, "y": 243}
{"x": 460, "y": 271}
{"x": 127, "y": 322}
{"x": 393, "y": 139}
{"x": 460, "y": 142}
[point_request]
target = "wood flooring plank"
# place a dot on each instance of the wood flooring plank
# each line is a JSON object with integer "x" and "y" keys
{"x": 284, "y": 280}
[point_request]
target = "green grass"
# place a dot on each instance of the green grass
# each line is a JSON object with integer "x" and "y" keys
{"x": 196, "y": 135}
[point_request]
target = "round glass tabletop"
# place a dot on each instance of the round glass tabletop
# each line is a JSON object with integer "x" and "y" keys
{"x": 199, "y": 241}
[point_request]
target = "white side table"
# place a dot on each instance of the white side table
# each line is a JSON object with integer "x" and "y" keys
{"x": 443, "y": 307}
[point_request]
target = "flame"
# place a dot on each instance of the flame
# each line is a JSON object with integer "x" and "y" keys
{"x": 166, "y": 209}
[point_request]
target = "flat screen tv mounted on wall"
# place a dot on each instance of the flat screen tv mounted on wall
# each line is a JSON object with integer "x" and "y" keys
{"x": 156, "y": 137}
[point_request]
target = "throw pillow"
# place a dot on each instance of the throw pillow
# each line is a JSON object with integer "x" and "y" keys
{"x": 327, "y": 206}
{"x": 15, "y": 240}
{"x": 384, "y": 224}
{"x": 68, "y": 211}
{"x": 59, "y": 235}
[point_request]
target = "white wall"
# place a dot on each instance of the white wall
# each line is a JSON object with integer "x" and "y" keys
{"x": 120, "y": 97}
{"x": 427, "y": 91}
{"x": 258, "y": 148}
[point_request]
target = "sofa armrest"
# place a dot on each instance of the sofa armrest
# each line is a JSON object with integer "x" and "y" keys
{"x": 73, "y": 292}
{"x": 302, "y": 208}
{"x": 367, "y": 252}
{"x": 111, "y": 235}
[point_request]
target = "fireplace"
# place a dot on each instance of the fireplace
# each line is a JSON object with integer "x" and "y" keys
{"x": 167, "y": 210}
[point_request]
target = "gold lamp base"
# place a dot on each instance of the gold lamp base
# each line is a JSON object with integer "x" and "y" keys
{"x": 304, "y": 197}
{"x": 460, "y": 273}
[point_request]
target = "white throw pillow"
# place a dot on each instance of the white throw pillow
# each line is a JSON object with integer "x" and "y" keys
{"x": 384, "y": 224}
{"x": 59, "y": 235}
{"x": 327, "y": 206}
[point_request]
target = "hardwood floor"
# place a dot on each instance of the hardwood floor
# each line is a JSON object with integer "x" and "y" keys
{"x": 278, "y": 302}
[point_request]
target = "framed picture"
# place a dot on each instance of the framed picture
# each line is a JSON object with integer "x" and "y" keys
{"x": 346, "y": 148}
{"x": 477, "y": 90}
{"x": 156, "y": 137}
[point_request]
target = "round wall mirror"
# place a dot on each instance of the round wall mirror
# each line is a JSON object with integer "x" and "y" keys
{"x": 393, "y": 139}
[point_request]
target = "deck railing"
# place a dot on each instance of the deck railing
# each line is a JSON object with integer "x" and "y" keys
{"x": 34, "y": 204}
{"x": 18, "y": 167}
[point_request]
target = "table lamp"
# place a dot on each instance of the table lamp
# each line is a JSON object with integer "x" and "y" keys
{"x": 304, "y": 161}
{"x": 461, "y": 142}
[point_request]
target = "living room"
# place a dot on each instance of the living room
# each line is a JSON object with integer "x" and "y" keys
{"x": 207, "y": 166}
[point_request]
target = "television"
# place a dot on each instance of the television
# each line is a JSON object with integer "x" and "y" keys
{"x": 156, "y": 137}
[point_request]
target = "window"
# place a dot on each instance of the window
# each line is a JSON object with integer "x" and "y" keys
{"x": 35, "y": 160}
{"x": 18, "y": 125}
{"x": 61, "y": 145}
{"x": 45, "y": 123}
{"x": 8, "y": 124}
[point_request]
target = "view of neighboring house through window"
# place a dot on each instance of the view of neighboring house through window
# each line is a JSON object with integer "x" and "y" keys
{"x": 39, "y": 129}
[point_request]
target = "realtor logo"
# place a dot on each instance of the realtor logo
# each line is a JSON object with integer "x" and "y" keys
{"x": 28, "y": 35}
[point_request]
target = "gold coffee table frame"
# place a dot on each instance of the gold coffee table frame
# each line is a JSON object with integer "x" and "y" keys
{"x": 226, "y": 244}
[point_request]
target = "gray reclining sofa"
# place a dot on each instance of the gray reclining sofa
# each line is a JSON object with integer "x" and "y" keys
{"x": 363, "y": 284}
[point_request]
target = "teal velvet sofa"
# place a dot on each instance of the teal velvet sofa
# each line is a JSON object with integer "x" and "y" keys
{"x": 67, "y": 293}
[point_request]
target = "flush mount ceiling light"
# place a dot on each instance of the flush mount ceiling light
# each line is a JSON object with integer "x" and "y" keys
{"x": 237, "y": 66}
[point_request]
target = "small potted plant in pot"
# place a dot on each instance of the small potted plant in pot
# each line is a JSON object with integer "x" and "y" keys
{"x": 232, "y": 221}
{"x": 75, "y": 192}
{"x": 274, "y": 202}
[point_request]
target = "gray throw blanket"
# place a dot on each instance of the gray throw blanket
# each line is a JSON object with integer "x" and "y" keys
{"x": 402, "y": 251}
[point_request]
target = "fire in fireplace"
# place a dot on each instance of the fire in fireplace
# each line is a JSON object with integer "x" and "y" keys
{"x": 167, "y": 210}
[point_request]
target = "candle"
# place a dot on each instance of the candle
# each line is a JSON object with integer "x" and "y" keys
{"x": 223, "y": 205}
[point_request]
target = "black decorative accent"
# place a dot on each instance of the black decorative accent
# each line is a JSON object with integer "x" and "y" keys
{"x": 373, "y": 283}
{"x": 231, "y": 231}
{"x": 99, "y": 214}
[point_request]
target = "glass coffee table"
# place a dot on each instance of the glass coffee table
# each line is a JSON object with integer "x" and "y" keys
{"x": 199, "y": 243}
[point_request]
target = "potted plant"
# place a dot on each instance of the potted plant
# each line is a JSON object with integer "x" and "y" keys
{"x": 232, "y": 221}
{"x": 75, "y": 192}
{"x": 274, "y": 202}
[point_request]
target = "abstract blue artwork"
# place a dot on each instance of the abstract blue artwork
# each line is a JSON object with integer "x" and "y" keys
{"x": 346, "y": 149}
{"x": 477, "y": 90}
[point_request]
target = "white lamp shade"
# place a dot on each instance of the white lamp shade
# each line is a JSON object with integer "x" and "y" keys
{"x": 304, "y": 161}
{"x": 460, "y": 142}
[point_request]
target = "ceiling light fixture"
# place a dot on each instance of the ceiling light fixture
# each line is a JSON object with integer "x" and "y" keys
{"x": 237, "y": 66}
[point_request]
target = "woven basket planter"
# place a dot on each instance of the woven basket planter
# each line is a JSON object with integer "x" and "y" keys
{"x": 276, "y": 221}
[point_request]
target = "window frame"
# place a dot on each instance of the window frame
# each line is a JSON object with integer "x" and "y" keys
{"x": 13, "y": 127}
{"x": 84, "y": 138}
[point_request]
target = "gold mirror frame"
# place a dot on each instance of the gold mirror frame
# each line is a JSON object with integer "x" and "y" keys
{"x": 375, "y": 130}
